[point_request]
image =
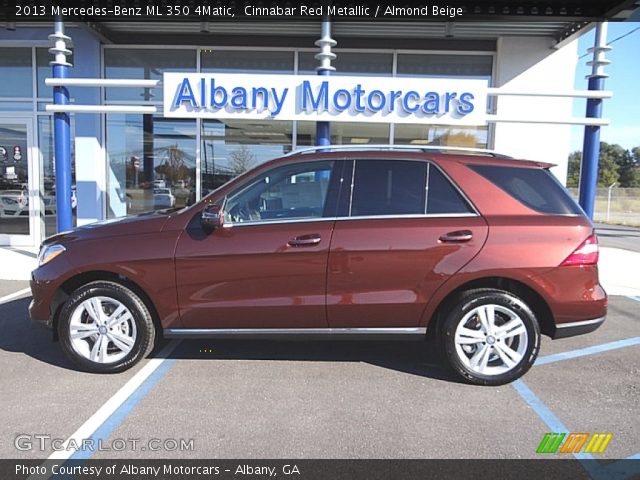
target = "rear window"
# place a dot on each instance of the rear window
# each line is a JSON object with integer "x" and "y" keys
{"x": 536, "y": 188}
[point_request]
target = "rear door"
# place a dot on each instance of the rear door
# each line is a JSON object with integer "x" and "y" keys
{"x": 402, "y": 230}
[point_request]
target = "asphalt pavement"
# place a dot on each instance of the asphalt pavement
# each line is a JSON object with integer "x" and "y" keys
{"x": 301, "y": 399}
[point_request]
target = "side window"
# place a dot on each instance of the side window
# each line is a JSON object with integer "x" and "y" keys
{"x": 389, "y": 187}
{"x": 296, "y": 191}
{"x": 535, "y": 188}
{"x": 442, "y": 197}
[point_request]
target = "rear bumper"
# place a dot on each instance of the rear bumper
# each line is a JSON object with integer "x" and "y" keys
{"x": 572, "y": 329}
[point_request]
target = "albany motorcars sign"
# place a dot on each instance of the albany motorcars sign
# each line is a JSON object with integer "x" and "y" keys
{"x": 325, "y": 98}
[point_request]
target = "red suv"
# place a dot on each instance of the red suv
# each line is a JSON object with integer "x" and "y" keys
{"x": 479, "y": 251}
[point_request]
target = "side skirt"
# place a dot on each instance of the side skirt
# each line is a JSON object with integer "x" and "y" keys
{"x": 416, "y": 333}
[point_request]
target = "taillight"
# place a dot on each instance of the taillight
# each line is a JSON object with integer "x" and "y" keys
{"x": 586, "y": 254}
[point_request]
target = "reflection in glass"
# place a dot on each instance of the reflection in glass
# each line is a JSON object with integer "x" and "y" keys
{"x": 344, "y": 133}
{"x": 14, "y": 180}
{"x": 448, "y": 66}
{"x": 231, "y": 147}
{"x": 289, "y": 192}
{"x": 15, "y": 64}
{"x": 144, "y": 63}
{"x": 151, "y": 163}
{"x": 475, "y": 137}
{"x": 229, "y": 61}
{"x": 349, "y": 63}
{"x": 48, "y": 180}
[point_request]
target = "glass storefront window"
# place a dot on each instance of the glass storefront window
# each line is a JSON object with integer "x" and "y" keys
{"x": 349, "y": 63}
{"x": 10, "y": 106}
{"x": 14, "y": 178}
{"x": 15, "y": 64}
{"x": 444, "y": 66}
{"x": 344, "y": 133}
{"x": 456, "y": 66}
{"x": 143, "y": 63}
{"x": 231, "y": 147}
{"x": 48, "y": 179}
{"x": 475, "y": 137}
{"x": 151, "y": 163}
{"x": 246, "y": 61}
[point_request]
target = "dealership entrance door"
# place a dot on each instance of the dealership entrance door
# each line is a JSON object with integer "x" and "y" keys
{"x": 20, "y": 222}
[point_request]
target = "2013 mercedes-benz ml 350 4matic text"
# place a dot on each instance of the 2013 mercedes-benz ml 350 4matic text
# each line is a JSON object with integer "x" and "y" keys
{"x": 480, "y": 251}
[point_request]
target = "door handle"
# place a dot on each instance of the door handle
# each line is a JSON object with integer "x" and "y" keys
{"x": 458, "y": 236}
{"x": 305, "y": 240}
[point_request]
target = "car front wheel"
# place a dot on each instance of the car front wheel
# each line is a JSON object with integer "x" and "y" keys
{"x": 105, "y": 327}
{"x": 490, "y": 337}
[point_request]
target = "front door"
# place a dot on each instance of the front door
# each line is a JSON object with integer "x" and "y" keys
{"x": 266, "y": 268}
{"x": 20, "y": 223}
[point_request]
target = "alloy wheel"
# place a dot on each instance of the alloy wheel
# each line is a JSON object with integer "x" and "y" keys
{"x": 102, "y": 330}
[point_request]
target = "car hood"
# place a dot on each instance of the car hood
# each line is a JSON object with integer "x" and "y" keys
{"x": 148, "y": 222}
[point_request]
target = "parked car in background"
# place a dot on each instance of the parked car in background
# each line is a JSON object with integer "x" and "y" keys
{"x": 50, "y": 205}
{"x": 14, "y": 203}
{"x": 480, "y": 252}
{"x": 163, "y": 198}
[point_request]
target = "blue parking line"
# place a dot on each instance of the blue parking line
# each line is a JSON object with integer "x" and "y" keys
{"x": 117, "y": 417}
{"x": 619, "y": 470}
{"x": 605, "y": 347}
{"x": 634, "y": 297}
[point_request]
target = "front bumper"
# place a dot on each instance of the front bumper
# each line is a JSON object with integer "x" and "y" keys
{"x": 572, "y": 329}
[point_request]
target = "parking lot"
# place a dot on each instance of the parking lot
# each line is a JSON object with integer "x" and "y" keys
{"x": 300, "y": 399}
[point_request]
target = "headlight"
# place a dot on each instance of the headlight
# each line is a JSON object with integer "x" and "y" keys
{"x": 49, "y": 252}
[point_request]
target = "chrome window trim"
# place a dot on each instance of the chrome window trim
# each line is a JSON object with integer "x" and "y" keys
{"x": 364, "y": 217}
{"x": 201, "y": 332}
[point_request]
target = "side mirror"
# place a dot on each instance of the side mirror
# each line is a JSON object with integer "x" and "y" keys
{"x": 212, "y": 217}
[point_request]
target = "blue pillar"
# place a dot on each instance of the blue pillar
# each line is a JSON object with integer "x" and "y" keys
{"x": 591, "y": 151}
{"x": 61, "y": 132}
{"x": 323, "y": 129}
{"x": 591, "y": 145}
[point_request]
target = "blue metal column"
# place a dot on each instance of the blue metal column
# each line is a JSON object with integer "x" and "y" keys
{"x": 62, "y": 134}
{"x": 323, "y": 129}
{"x": 591, "y": 145}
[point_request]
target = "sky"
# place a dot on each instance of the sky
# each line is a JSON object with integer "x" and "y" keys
{"x": 623, "y": 110}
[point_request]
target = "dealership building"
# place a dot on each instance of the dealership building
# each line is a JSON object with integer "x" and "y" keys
{"x": 138, "y": 145}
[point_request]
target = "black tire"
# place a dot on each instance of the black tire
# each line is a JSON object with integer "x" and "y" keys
{"x": 528, "y": 344}
{"x": 145, "y": 329}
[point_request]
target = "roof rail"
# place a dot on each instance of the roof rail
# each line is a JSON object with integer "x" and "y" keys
{"x": 422, "y": 148}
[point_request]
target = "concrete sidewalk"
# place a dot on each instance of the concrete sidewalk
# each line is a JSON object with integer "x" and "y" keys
{"x": 619, "y": 269}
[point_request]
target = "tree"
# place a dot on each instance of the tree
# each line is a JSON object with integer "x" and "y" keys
{"x": 630, "y": 168}
{"x": 241, "y": 160}
{"x": 573, "y": 170}
{"x": 611, "y": 156}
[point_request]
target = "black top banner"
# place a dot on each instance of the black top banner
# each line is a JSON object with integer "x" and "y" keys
{"x": 312, "y": 10}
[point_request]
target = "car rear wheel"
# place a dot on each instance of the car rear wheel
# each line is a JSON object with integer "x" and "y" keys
{"x": 490, "y": 337}
{"x": 105, "y": 327}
